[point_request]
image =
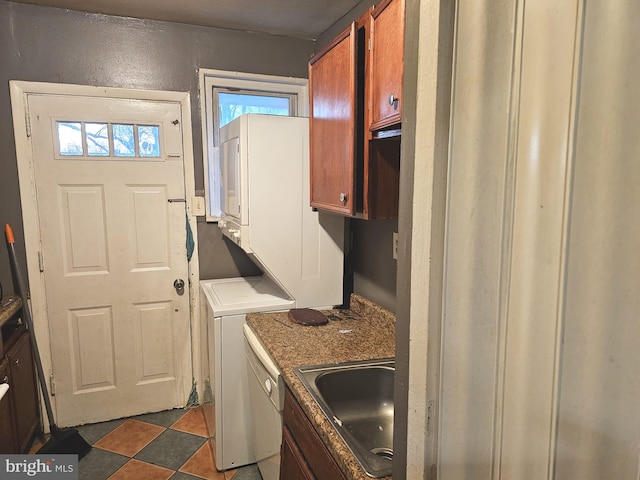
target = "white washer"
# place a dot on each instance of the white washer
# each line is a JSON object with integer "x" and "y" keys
{"x": 228, "y": 301}
{"x": 266, "y": 391}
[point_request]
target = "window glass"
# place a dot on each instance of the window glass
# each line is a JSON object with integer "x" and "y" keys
{"x": 124, "y": 142}
{"x": 97, "y": 136}
{"x": 232, "y": 105}
{"x": 70, "y": 138}
{"x": 95, "y": 139}
{"x": 148, "y": 141}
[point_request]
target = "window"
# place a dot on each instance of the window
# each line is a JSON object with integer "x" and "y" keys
{"x": 227, "y": 95}
{"x": 92, "y": 139}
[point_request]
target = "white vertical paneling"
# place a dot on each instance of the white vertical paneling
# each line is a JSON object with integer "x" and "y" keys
{"x": 512, "y": 123}
{"x": 474, "y": 246}
{"x": 91, "y": 332}
{"x": 599, "y": 416}
{"x": 149, "y": 226}
{"x": 154, "y": 343}
{"x": 535, "y": 290}
{"x": 82, "y": 209}
{"x": 545, "y": 291}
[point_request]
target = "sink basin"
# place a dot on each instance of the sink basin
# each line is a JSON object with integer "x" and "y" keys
{"x": 357, "y": 398}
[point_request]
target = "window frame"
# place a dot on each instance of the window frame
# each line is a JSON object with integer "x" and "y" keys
{"x": 221, "y": 79}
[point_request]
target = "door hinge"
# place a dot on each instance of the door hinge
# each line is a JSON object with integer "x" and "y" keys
{"x": 369, "y": 44}
{"x": 430, "y": 411}
{"x": 40, "y": 262}
{"x": 52, "y": 383}
{"x": 27, "y": 120}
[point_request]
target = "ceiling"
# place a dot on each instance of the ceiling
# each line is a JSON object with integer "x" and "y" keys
{"x": 293, "y": 18}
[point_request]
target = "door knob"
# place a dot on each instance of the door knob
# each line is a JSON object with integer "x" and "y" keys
{"x": 179, "y": 286}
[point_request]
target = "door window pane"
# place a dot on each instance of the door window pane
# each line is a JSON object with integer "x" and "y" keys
{"x": 97, "y": 135}
{"x": 149, "y": 141}
{"x": 124, "y": 144}
{"x": 70, "y": 138}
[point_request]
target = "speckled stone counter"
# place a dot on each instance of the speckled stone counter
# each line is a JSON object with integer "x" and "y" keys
{"x": 8, "y": 306}
{"x": 364, "y": 332}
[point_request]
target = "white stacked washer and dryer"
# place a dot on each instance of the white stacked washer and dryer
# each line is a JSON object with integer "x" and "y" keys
{"x": 264, "y": 162}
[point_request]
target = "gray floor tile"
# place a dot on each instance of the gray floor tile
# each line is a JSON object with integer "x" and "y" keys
{"x": 99, "y": 464}
{"x": 250, "y": 472}
{"x": 95, "y": 431}
{"x": 163, "y": 419}
{"x": 171, "y": 449}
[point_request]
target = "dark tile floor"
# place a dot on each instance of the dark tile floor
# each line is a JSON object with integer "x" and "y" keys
{"x": 158, "y": 446}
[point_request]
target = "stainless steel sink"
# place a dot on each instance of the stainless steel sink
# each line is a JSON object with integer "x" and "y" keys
{"x": 357, "y": 398}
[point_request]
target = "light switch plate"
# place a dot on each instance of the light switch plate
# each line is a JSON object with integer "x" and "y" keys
{"x": 197, "y": 206}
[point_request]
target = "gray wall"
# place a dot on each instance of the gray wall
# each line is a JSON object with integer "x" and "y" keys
{"x": 54, "y": 45}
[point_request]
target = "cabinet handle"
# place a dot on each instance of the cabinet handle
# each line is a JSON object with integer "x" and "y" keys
{"x": 343, "y": 197}
{"x": 5, "y": 379}
{"x": 17, "y": 362}
{"x": 393, "y": 101}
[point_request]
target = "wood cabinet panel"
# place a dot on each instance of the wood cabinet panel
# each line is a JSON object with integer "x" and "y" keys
{"x": 293, "y": 466}
{"x": 23, "y": 390}
{"x": 19, "y": 408}
{"x": 383, "y": 183}
{"x": 386, "y": 54}
{"x": 355, "y": 168}
{"x": 7, "y": 430}
{"x": 308, "y": 442}
{"x": 332, "y": 135}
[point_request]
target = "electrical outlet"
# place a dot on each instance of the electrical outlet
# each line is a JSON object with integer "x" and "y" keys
{"x": 395, "y": 245}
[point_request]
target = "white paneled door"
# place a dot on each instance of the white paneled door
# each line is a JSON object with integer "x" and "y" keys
{"x": 110, "y": 193}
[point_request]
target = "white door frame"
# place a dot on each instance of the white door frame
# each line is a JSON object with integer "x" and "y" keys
{"x": 20, "y": 91}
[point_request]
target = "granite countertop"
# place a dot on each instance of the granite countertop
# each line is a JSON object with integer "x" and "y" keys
{"x": 364, "y": 332}
{"x": 8, "y": 306}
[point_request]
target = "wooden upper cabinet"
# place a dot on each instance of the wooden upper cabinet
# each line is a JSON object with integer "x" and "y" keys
{"x": 355, "y": 89}
{"x": 386, "y": 58}
{"x": 332, "y": 86}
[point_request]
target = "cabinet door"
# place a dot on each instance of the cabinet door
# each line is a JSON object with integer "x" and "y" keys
{"x": 292, "y": 462}
{"x": 386, "y": 58}
{"x": 332, "y": 89}
{"x": 309, "y": 446}
{"x": 7, "y": 431}
{"x": 23, "y": 390}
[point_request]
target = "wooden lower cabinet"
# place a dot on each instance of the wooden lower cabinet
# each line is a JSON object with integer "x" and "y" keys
{"x": 304, "y": 455}
{"x": 292, "y": 462}
{"x": 25, "y": 394}
{"x": 19, "y": 409}
{"x": 7, "y": 431}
